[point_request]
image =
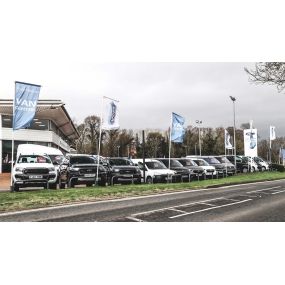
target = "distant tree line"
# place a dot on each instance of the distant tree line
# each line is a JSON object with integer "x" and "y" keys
{"x": 126, "y": 143}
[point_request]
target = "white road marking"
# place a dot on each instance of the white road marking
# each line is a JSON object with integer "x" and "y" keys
{"x": 229, "y": 199}
{"x": 208, "y": 209}
{"x": 134, "y": 219}
{"x": 278, "y": 192}
{"x": 207, "y": 204}
{"x": 271, "y": 188}
{"x": 176, "y": 210}
{"x": 169, "y": 208}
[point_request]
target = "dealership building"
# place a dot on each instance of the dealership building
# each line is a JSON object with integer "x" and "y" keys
{"x": 52, "y": 126}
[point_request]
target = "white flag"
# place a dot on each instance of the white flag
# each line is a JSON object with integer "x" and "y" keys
{"x": 272, "y": 133}
{"x": 110, "y": 114}
{"x": 228, "y": 144}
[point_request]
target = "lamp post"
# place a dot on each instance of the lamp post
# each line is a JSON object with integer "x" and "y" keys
{"x": 118, "y": 147}
{"x": 199, "y": 122}
{"x": 234, "y": 109}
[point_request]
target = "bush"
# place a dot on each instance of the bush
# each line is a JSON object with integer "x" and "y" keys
{"x": 278, "y": 167}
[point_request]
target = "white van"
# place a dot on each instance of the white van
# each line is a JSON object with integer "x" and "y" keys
{"x": 155, "y": 171}
{"x": 33, "y": 167}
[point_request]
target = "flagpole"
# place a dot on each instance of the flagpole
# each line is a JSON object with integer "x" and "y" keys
{"x": 12, "y": 159}
{"x": 99, "y": 146}
{"x": 225, "y": 152}
{"x": 170, "y": 130}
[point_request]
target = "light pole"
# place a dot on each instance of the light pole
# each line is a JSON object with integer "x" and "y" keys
{"x": 118, "y": 147}
{"x": 199, "y": 122}
{"x": 234, "y": 108}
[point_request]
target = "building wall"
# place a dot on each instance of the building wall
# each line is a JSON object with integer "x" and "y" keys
{"x": 34, "y": 135}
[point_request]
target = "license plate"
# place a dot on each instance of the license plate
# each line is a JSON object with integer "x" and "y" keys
{"x": 89, "y": 175}
{"x": 35, "y": 176}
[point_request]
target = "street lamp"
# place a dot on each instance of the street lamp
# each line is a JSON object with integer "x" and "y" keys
{"x": 234, "y": 109}
{"x": 199, "y": 122}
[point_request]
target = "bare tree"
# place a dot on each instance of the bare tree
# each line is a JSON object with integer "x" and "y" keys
{"x": 268, "y": 72}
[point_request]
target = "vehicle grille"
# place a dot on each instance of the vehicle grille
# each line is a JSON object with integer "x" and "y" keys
{"x": 87, "y": 170}
{"x": 210, "y": 170}
{"x": 127, "y": 171}
{"x": 36, "y": 171}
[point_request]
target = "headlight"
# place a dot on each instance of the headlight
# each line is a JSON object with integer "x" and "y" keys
{"x": 19, "y": 169}
{"x": 74, "y": 169}
{"x": 51, "y": 169}
{"x": 116, "y": 170}
{"x": 138, "y": 171}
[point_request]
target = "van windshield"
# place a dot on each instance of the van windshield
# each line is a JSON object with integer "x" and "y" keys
{"x": 155, "y": 165}
{"x": 187, "y": 162}
{"x": 201, "y": 162}
{"x": 211, "y": 160}
{"x": 33, "y": 159}
{"x": 56, "y": 158}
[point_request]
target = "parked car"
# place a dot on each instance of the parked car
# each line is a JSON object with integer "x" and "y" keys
{"x": 81, "y": 169}
{"x": 196, "y": 171}
{"x": 242, "y": 165}
{"x": 32, "y": 170}
{"x": 123, "y": 170}
{"x": 155, "y": 171}
{"x": 230, "y": 168}
{"x": 209, "y": 171}
{"x": 182, "y": 173}
{"x": 220, "y": 168}
{"x": 250, "y": 161}
{"x": 54, "y": 154}
{"x": 262, "y": 164}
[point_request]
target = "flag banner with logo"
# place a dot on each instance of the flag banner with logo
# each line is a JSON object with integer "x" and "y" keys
{"x": 110, "y": 114}
{"x": 272, "y": 133}
{"x": 177, "y": 130}
{"x": 250, "y": 142}
{"x": 228, "y": 144}
{"x": 25, "y": 104}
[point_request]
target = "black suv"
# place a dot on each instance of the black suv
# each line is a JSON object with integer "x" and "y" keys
{"x": 123, "y": 170}
{"x": 81, "y": 169}
{"x": 182, "y": 173}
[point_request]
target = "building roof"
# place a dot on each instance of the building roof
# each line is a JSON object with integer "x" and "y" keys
{"x": 53, "y": 110}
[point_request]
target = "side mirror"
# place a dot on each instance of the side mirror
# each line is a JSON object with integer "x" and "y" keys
{"x": 55, "y": 163}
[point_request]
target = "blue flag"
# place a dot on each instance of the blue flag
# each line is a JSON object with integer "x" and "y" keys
{"x": 25, "y": 104}
{"x": 177, "y": 132}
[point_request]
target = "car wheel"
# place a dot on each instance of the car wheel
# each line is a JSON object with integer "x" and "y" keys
{"x": 52, "y": 186}
{"x": 263, "y": 168}
{"x": 148, "y": 180}
{"x": 89, "y": 184}
{"x": 61, "y": 185}
{"x": 15, "y": 187}
{"x": 245, "y": 170}
{"x": 71, "y": 184}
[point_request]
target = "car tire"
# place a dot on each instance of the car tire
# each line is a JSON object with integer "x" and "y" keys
{"x": 89, "y": 184}
{"x": 53, "y": 186}
{"x": 263, "y": 168}
{"x": 61, "y": 185}
{"x": 15, "y": 187}
{"x": 245, "y": 170}
{"x": 148, "y": 180}
{"x": 71, "y": 184}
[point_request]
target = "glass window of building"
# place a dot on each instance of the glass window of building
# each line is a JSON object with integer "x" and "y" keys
{"x": 7, "y": 121}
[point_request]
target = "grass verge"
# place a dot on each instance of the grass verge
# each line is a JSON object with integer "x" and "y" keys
{"x": 46, "y": 198}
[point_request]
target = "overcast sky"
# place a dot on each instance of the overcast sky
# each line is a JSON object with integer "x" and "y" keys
{"x": 66, "y": 50}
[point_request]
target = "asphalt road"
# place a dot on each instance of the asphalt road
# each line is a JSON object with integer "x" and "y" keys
{"x": 256, "y": 202}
